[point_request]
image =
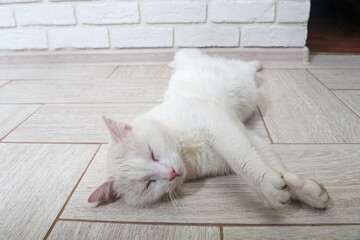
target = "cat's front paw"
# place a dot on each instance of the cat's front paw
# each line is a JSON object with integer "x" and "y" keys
{"x": 273, "y": 190}
{"x": 307, "y": 190}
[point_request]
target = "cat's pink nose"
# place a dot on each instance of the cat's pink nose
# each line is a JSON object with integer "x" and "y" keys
{"x": 173, "y": 174}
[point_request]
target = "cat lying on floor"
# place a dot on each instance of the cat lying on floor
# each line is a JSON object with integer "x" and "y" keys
{"x": 197, "y": 132}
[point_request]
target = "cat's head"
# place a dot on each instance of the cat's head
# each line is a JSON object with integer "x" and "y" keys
{"x": 143, "y": 163}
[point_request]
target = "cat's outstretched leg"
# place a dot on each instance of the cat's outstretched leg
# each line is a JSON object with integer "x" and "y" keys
{"x": 235, "y": 146}
{"x": 301, "y": 188}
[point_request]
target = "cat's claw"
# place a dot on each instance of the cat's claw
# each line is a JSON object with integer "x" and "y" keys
{"x": 274, "y": 191}
{"x": 307, "y": 190}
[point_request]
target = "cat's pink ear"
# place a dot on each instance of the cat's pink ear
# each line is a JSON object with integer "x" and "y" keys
{"x": 103, "y": 193}
{"x": 117, "y": 129}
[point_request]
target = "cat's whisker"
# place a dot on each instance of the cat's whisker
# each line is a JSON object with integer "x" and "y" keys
{"x": 176, "y": 200}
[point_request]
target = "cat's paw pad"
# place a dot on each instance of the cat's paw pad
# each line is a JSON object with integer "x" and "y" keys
{"x": 307, "y": 190}
{"x": 274, "y": 190}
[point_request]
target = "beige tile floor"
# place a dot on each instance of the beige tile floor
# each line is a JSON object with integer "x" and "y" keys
{"x": 53, "y": 143}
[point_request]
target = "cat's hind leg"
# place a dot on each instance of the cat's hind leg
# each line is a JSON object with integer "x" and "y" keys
{"x": 303, "y": 189}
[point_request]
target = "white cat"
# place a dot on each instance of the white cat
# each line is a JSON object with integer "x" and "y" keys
{"x": 197, "y": 132}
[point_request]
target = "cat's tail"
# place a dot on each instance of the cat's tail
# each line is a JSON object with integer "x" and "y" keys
{"x": 257, "y": 64}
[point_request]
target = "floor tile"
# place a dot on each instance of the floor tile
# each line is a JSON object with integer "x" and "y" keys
{"x": 334, "y": 61}
{"x": 36, "y": 180}
{"x": 13, "y": 115}
{"x": 82, "y": 91}
{"x": 317, "y": 62}
{"x": 90, "y": 230}
{"x": 55, "y": 71}
{"x": 298, "y": 109}
{"x": 142, "y": 71}
{"x": 351, "y": 99}
{"x": 297, "y": 233}
{"x": 74, "y": 122}
{"x": 338, "y": 79}
{"x": 83, "y": 122}
{"x": 256, "y": 124}
{"x": 229, "y": 200}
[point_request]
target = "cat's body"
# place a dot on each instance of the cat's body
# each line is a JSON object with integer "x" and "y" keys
{"x": 197, "y": 132}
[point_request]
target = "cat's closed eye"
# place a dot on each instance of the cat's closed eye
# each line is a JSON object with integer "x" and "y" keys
{"x": 149, "y": 183}
{"x": 152, "y": 155}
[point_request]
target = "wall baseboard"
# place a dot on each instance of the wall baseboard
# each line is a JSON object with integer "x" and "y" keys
{"x": 148, "y": 56}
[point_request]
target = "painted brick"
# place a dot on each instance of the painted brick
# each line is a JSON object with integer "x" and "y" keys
{"x": 292, "y": 12}
{"x": 142, "y": 37}
{"x": 108, "y": 13}
{"x": 6, "y": 17}
{"x": 23, "y": 39}
{"x": 242, "y": 11}
{"x": 174, "y": 12}
{"x": 79, "y": 38}
{"x": 273, "y": 36}
{"x": 207, "y": 37}
{"x": 45, "y": 15}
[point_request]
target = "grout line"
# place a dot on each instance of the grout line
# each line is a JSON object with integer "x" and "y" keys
{"x": 333, "y": 68}
{"x": 346, "y": 89}
{"x": 345, "y": 104}
{"x": 221, "y": 232}
{"x": 21, "y": 122}
{"x": 9, "y": 81}
{"x": 53, "y": 142}
{"x": 334, "y": 94}
{"x": 313, "y": 75}
{"x": 275, "y": 143}
{"x": 72, "y": 192}
{"x": 112, "y": 71}
{"x": 53, "y": 103}
{"x": 267, "y": 130}
{"x": 313, "y": 143}
{"x": 333, "y": 53}
{"x": 221, "y": 225}
{"x": 80, "y": 78}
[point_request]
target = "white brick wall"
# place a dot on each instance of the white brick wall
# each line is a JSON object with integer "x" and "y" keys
{"x": 174, "y": 12}
{"x": 79, "y": 38}
{"x": 142, "y": 37}
{"x": 242, "y": 11}
{"x": 86, "y": 24}
{"x": 108, "y": 13}
{"x": 291, "y": 12}
{"x": 273, "y": 36}
{"x": 6, "y": 17}
{"x": 23, "y": 39}
{"x": 207, "y": 36}
{"x": 45, "y": 15}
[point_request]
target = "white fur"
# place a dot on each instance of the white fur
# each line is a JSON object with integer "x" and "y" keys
{"x": 198, "y": 131}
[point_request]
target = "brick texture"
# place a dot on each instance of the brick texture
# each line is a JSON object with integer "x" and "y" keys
{"x": 80, "y": 38}
{"x": 23, "y": 39}
{"x": 174, "y": 12}
{"x": 6, "y": 17}
{"x": 108, "y": 13}
{"x": 142, "y": 37}
{"x": 292, "y": 12}
{"x": 102, "y": 24}
{"x": 242, "y": 11}
{"x": 274, "y": 36}
{"x": 207, "y": 37}
{"x": 45, "y": 15}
